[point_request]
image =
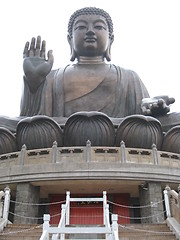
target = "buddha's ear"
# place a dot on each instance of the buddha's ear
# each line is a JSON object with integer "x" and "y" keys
{"x": 108, "y": 51}
{"x": 73, "y": 54}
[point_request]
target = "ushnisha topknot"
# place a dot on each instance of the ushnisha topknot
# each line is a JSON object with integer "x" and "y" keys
{"x": 90, "y": 11}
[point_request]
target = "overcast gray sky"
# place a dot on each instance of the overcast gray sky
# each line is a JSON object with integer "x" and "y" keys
{"x": 147, "y": 40}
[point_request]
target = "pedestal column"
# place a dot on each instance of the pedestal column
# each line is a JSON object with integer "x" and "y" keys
{"x": 26, "y": 213}
{"x": 150, "y": 195}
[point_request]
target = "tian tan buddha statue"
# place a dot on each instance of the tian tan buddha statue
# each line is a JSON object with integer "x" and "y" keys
{"x": 90, "y": 99}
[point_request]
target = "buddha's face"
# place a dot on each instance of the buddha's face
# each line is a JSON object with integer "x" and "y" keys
{"x": 90, "y": 36}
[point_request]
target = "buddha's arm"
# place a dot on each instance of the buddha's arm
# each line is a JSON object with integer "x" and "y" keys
{"x": 30, "y": 101}
{"x": 156, "y": 106}
{"x": 40, "y": 101}
{"x": 36, "y": 73}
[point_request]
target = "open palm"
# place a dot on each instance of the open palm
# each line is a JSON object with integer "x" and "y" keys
{"x": 35, "y": 65}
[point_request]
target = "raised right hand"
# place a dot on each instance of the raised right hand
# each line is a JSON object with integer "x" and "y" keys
{"x": 35, "y": 65}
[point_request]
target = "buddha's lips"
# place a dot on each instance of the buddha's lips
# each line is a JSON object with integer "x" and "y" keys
{"x": 90, "y": 39}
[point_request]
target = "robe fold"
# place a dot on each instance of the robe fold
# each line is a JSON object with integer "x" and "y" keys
{"x": 118, "y": 95}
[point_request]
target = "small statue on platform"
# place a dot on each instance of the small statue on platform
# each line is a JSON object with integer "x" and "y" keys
{"x": 90, "y": 83}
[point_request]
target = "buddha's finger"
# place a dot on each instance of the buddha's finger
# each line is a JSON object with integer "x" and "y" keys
{"x": 170, "y": 100}
{"x": 155, "y": 105}
{"x": 50, "y": 57}
{"x": 26, "y": 50}
{"x": 167, "y": 109}
{"x": 161, "y": 102}
{"x": 38, "y": 45}
{"x": 32, "y": 46}
{"x": 43, "y": 49}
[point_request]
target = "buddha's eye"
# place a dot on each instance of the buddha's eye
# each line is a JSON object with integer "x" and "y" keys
{"x": 99, "y": 27}
{"x": 80, "y": 27}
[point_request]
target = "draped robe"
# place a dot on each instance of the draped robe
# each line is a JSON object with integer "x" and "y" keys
{"x": 118, "y": 95}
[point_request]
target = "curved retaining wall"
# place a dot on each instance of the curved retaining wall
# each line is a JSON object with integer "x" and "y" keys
{"x": 89, "y": 163}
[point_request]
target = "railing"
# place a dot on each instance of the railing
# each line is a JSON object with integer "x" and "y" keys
{"x": 172, "y": 205}
{"x": 111, "y": 232}
{"x": 91, "y": 154}
{"x": 4, "y": 207}
{"x": 65, "y": 211}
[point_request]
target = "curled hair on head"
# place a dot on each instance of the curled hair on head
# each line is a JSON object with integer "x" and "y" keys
{"x": 90, "y": 11}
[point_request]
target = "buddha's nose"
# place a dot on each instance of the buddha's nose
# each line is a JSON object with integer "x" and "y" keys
{"x": 90, "y": 30}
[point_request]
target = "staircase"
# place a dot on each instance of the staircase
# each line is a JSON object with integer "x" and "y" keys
{"x": 145, "y": 232}
{"x": 21, "y": 232}
{"x": 128, "y": 232}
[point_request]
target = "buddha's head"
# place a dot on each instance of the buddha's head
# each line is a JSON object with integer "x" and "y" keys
{"x": 90, "y": 33}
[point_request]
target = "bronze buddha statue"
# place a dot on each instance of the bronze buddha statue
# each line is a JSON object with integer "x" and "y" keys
{"x": 90, "y": 83}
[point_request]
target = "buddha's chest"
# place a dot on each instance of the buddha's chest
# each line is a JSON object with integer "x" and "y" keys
{"x": 79, "y": 81}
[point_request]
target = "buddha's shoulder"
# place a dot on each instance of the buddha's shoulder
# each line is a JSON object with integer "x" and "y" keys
{"x": 56, "y": 72}
{"x": 126, "y": 72}
{"x": 123, "y": 69}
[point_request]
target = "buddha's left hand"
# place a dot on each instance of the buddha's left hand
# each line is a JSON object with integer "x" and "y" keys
{"x": 156, "y": 106}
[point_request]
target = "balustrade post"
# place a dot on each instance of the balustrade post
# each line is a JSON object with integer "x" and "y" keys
{"x": 107, "y": 215}
{"x": 104, "y": 207}
{"x": 68, "y": 207}
{"x": 46, "y": 219}
{"x": 54, "y": 152}
{"x": 114, "y": 219}
{"x": 6, "y": 202}
{"x": 88, "y": 151}
{"x": 22, "y": 155}
{"x": 155, "y": 154}
{"x": 123, "y": 152}
{"x": 1, "y": 203}
{"x": 62, "y": 221}
{"x": 63, "y": 212}
{"x": 107, "y": 223}
{"x": 166, "y": 199}
{"x": 179, "y": 201}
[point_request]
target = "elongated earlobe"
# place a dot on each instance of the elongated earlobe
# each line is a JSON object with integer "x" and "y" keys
{"x": 73, "y": 53}
{"x": 108, "y": 54}
{"x": 108, "y": 51}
